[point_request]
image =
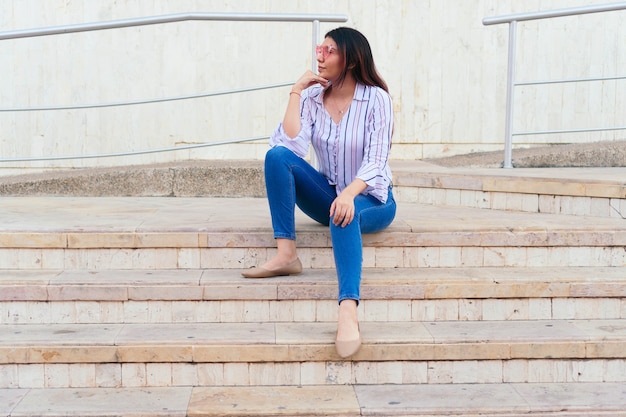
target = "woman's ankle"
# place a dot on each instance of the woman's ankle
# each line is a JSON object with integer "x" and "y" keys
{"x": 348, "y": 312}
{"x": 348, "y": 305}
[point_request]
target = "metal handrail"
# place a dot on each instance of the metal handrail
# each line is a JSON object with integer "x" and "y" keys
{"x": 547, "y": 14}
{"x": 147, "y": 101}
{"x": 130, "y": 153}
{"x": 314, "y": 19}
{"x": 570, "y": 80}
{"x": 170, "y": 18}
{"x": 511, "y": 83}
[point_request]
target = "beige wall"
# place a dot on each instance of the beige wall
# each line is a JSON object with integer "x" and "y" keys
{"x": 446, "y": 72}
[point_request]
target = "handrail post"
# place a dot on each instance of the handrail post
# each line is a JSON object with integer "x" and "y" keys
{"x": 510, "y": 83}
{"x": 315, "y": 36}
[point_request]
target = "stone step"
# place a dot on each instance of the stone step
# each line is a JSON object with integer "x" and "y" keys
{"x": 72, "y": 355}
{"x": 112, "y": 305}
{"x": 146, "y": 375}
{"x": 168, "y": 233}
{"x": 389, "y": 294}
{"x": 586, "y": 191}
{"x": 597, "y": 192}
{"x": 208, "y": 178}
{"x": 408, "y": 400}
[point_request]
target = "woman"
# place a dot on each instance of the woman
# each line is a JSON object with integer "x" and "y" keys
{"x": 346, "y": 114}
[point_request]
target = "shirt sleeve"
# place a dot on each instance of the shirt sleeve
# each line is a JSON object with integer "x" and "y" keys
{"x": 300, "y": 144}
{"x": 374, "y": 170}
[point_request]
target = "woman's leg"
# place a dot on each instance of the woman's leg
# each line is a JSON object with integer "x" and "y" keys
{"x": 370, "y": 216}
{"x": 290, "y": 180}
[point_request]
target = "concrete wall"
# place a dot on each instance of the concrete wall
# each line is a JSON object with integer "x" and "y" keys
{"x": 446, "y": 72}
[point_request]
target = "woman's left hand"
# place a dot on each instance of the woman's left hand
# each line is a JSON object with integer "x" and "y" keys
{"x": 342, "y": 209}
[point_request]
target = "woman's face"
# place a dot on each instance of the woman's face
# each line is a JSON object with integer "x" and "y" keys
{"x": 329, "y": 60}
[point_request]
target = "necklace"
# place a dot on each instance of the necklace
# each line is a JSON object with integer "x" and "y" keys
{"x": 344, "y": 108}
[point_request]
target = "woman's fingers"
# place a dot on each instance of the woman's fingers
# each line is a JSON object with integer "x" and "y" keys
{"x": 309, "y": 78}
{"x": 342, "y": 214}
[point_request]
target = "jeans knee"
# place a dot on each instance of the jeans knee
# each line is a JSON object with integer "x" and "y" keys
{"x": 277, "y": 153}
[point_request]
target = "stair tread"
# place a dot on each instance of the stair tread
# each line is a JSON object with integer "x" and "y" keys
{"x": 89, "y": 222}
{"x": 606, "y": 182}
{"x": 496, "y": 400}
{"x": 305, "y": 333}
{"x": 311, "y": 341}
{"x": 377, "y": 283}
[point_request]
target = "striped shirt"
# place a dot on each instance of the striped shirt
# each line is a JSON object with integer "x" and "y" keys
{"x": 357, "y": 147}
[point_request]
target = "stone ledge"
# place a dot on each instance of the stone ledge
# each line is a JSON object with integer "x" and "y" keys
{"x": 312, "y": 342}
{"x": 214, "y": 178}
{"x": 83, "y": 223}
{"x": 376, "y": 400}
{"x": 393, "y": 237}
{"x": 244, "y": 178}
{"x": 515, "y": 182}
{"x": 317, "y": 284}
{"x": 592, "y": 154}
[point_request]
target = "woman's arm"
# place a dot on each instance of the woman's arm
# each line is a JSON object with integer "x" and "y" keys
{"x": 291, "y": 120}
{"x": 374, "y": 169}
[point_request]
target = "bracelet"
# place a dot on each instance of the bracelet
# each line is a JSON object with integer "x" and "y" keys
{"x": 296, "y": 93}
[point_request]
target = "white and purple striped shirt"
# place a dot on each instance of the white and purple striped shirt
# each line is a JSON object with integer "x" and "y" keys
{"x": 357, "y": 147}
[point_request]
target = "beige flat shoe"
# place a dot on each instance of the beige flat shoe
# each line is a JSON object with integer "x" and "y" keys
{"x": 293, "y": 268}
{"x": 347, "y": 348}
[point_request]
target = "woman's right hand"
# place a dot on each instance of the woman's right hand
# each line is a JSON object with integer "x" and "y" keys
{"x": 291, "y": 120}
{"x": 308, "y": 79}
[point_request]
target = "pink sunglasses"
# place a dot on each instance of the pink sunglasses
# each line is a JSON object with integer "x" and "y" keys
{"x": 324, "y": 50}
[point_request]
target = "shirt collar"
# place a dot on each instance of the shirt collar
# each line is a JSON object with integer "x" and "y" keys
{"x": 359, "y": 93}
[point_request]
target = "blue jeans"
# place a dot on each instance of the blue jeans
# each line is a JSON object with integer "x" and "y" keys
{"x": 291, "y": 181}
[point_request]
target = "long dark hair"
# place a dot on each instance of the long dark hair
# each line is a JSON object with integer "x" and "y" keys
{"x": 358, "y": 58}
